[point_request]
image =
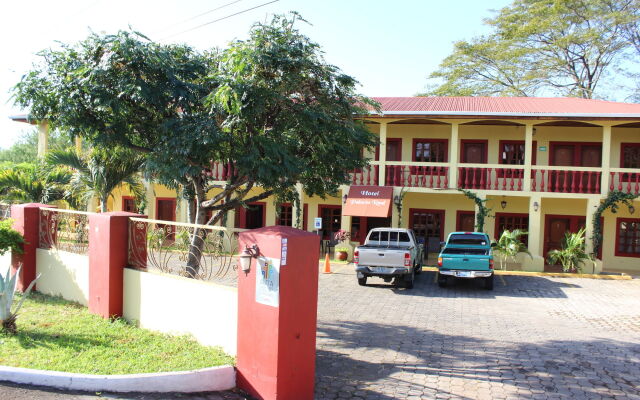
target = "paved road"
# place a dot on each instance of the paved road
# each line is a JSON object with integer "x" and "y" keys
{"x": 531, "y": 337}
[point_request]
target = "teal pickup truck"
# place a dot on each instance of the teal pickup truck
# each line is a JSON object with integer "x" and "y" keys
{"x": 466, "y": 255}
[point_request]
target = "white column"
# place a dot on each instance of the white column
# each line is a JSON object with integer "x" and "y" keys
{"x": 183, "y": 207}
{"x": 295, "y": 221}
{"x": 592, "y": 205}
{"x": 606, "y": 159}
{"x": 536, "y": 228}
{"x": 454, "y": 154}
{"x": 528, "y": 156}
{"x": 43, "y": 138}
{"x": 382, "y": 154}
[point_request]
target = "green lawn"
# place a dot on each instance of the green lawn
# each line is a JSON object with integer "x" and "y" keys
{"x": 55, "y": 334}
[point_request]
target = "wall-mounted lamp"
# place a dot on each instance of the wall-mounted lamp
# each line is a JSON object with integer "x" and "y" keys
{"x": 632, "y": 209}
{"x": 344, "y": 198}
{"x": 536, "y": 206}
{"x": 503, "y": 203}
{"x": 247, "y": 254}
{"x": 533, "y": 132}
{"x": 396, "y": 199}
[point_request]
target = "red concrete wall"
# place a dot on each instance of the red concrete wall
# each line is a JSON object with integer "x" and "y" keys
{"x": 26, "y": 220}
{"x": 277, "y": 345}
{"x": 108, "y": 254}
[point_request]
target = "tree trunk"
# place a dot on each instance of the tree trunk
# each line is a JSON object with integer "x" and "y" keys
{"x": 103, "y": 203}
{"x": 191, "y": 210}
{"x": 197, "y": 236}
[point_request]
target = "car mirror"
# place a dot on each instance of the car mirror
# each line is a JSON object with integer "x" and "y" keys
{"x": 442, "y": 244}
{"x": 494, "y": 244}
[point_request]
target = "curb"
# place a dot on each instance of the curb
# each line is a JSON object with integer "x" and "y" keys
{"x": 553, "y": 274}
{"x": 200, "y": 380}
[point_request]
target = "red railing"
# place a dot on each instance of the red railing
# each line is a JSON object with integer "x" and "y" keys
{"x": 417, "y": 176}
{"x": 565, "y": 181}
{"x": 365, "y": 176}
{"x": 221, "y": 171}
{"x": 627, "y": 182}
{"x": 490, "y": 178}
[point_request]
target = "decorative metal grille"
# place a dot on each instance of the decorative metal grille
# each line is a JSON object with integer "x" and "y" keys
{"x": 64, "y": 230}
{"x": 197, "y": 251}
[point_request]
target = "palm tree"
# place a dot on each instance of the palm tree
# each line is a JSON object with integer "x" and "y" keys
{"x": 573, "y": 254}
{"x": 98, "y": 172}
{"x": 34, "y": 183}
{"x": 509, "y": 246}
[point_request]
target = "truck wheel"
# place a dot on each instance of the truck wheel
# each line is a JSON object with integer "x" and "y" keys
{"x": 442, "y": 280}
{"x": 488, "y": 283}
{"x": 408, "y": 280}
{"x": 419, "y": 269}
{"x": 362, "y": 281}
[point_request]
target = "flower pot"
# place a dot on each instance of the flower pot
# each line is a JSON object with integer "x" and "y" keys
{"x": 341, "y": 255}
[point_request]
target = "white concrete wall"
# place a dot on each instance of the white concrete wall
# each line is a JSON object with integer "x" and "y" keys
{"x": 5, "y": 262}
{"x": 63, "y": 274}
{"x": 177, "y": 305}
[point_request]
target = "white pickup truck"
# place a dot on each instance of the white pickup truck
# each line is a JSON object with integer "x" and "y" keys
{"x": 389, "y": 253}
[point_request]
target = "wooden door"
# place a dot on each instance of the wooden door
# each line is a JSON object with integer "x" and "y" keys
{"x": 466, "y": 221}
{"x": 166, "y": 211}
{"x": 590, "y": 156}
{"x": 474, "y": 152}
{"x": 394, "y": 153}
{"x": 428, "y": 226}
{"x": 562, "y": 155}
{"x": 557, "y": 227}
{"x": 331, "y": 219}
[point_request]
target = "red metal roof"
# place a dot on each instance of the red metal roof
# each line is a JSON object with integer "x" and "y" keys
{"x": 506, "y": 106}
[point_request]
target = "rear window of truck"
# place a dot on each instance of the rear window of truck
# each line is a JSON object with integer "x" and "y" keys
{"x": 383, "y": 236}
{"x": 472, "y": 240}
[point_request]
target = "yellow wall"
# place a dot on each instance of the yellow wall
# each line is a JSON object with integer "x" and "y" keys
{"x": 63, "y": 274}
{"x": 177, "y": 305}
{"x": 611, "y": 262}
{"x": 619, "y": 136}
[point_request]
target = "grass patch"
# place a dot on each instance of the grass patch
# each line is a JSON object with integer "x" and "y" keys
{"x": 55, "y": 334}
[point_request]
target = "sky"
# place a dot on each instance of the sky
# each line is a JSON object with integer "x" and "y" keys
{"x": 391, "y": 47}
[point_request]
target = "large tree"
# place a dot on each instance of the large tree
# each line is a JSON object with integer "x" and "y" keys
{"x": 270, "y": 108}
{"x": 543, "y": 47}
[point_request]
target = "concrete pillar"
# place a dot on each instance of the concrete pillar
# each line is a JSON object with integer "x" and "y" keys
{"x": 43, "y": 138}
{"x": 108, "y": 256}
{"x": 277, "y": 315}
{"x": 536, "y": 236}
{"x": 26, "y": 220}
{"x": 151, "y": 200}
{"x": 477, "y": 210}
{"x": 454, "y": 155}
{"x": 270, "y": 216}
{"x": 396, "y": 218}
{"x": 592, "y": 205}
{"x": 296, "y": 221}
{"x": 606, "y": 159}
{"x": 382, "y": 154}
{"x": 528, "y": 156}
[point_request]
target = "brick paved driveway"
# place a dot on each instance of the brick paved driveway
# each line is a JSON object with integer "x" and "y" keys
{"x": 532, "y": 337}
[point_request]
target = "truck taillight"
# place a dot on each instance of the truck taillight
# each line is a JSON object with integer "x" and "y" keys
{"x": 356, "y": 257}
{"x": 439, "y": 261}
{"x": 491, "y": 263}
{"x": 407, "y": 259}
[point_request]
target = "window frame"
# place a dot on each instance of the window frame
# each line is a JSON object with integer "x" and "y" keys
{"x": 429, "y": 140}
{"x": 617, "y": 252}
{"x": 497, "y": 233}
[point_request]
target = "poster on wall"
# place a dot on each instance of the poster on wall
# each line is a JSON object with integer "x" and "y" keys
{"x": 268, "y": 281}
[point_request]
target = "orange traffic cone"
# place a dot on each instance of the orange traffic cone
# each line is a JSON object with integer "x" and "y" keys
{"x": 327, "y": 265}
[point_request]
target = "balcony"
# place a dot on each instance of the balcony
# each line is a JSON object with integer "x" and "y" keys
{"x": 492, "y": 177}
{"x": 417, "y": 175}
{"x": 564, "y": 180}
{"x": 625, "y": 181}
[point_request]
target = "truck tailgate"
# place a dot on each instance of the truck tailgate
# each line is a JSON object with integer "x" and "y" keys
{"x": 382, "y": 257}
{"x": 465, "y": 262}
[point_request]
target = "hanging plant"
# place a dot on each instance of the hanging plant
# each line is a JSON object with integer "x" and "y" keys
{"x": 483, "y": 210}
{"x": 613, "y": 201}
{"x": 398, "y": 203}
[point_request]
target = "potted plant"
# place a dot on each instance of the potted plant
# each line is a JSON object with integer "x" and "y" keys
{"x": 572, "y": 254}
{"x": 342, "y": 253}
{"x": 509, "y": 246}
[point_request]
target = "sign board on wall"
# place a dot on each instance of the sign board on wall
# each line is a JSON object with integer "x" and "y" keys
{"x": 317, "y": 223}
{"x": 368, "y": 201}
{"x": 268, "y": 281}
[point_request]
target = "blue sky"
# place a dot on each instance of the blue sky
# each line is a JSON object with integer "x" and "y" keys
{"x": 390, "y": 47}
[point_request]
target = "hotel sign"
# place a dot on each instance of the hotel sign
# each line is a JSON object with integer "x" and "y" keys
{"x": 368, "y": 201}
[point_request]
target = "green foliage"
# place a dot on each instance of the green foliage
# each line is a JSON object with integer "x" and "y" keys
{"x": 10, "y": 239}
{"x": 544, "y": 47}
{"x": 99, "y": 171}
{"x": 483, "y": 211}
{"x": 612, "y": 202}
{"x": 509, "y": 246}
{"x": 8, "y": 285}
{"x": 58, "y": 335}
{"x": 38, "y": 182}
{"x": 25, "y": 150}
{"x": 572, "y": 255}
